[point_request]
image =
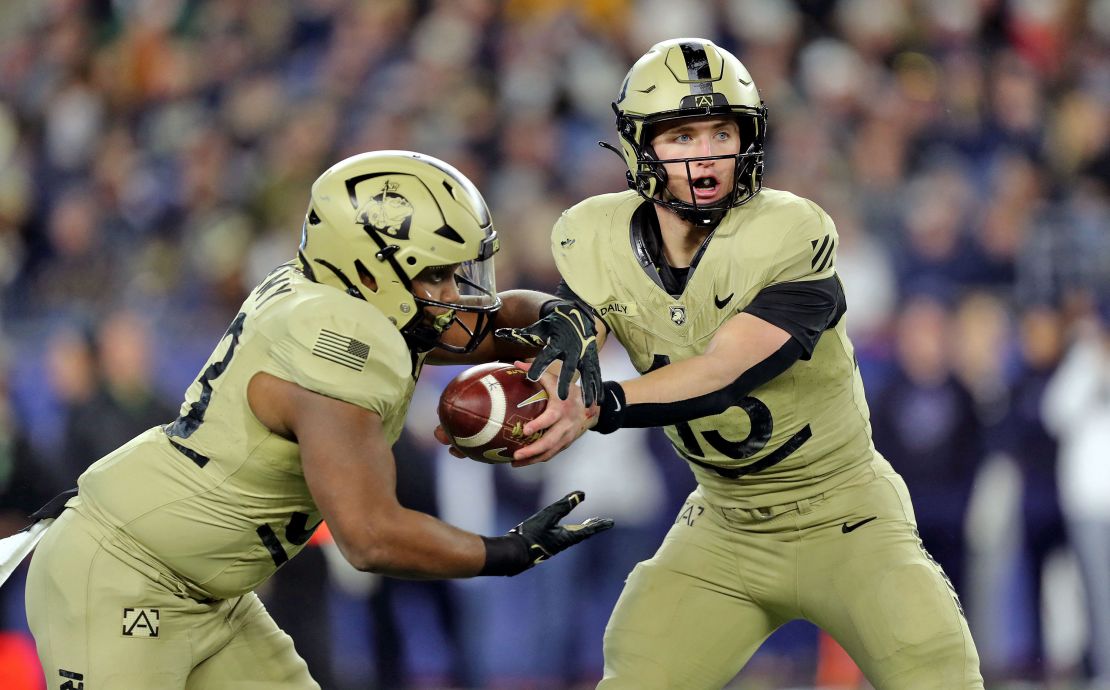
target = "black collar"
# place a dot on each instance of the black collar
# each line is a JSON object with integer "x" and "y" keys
{"x": 647, "y": 243}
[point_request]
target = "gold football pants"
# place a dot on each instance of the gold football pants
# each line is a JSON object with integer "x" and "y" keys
{"x": 101, "y": 624}
{"x": 849, "y": 561}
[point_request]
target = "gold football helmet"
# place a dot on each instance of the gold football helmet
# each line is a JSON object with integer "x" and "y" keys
{"x": 682, "y": 78}
{"x": 376, "y": 220}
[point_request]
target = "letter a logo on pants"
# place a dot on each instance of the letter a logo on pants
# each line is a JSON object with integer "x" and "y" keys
{"x": 140, "y": 622}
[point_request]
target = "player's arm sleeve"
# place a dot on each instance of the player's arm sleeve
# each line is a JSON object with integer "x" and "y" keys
{"x": 804, "y": 309}
{"x": 564, "y": 292}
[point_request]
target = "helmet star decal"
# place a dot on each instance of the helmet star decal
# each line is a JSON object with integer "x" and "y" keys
{"x": 387, "y": 212}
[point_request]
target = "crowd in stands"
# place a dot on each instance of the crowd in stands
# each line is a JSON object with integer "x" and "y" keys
{"x": 155, "y": 162}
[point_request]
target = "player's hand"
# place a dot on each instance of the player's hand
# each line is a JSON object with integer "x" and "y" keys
{"x": 445, "y": 439}
{"x": 566, "y": 334}
{"x": 562, "y": 422}
{"x": 545, "y": 537}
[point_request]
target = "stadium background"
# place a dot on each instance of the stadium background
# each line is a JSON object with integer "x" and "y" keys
{"x": 155, "y": 160}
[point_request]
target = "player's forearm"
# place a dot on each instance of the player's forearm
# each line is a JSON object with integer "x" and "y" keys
{"x": 415, "y": 545}
{"x": 746, "y": 353}
{"x": 741, "y": 344}
{"x": 658, "y": 405}
{"x": 683, "y": 380}
{"x": 518, "y": 308}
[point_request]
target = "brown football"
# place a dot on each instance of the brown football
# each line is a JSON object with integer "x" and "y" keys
{"x": 484, "y": 410}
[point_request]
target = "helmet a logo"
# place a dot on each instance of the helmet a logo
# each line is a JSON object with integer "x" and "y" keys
{"x": 703, "y": 101}
{"x": 387, "y": 212}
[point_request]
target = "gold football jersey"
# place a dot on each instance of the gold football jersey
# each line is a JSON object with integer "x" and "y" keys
{"x": 215, "y": 501}
{"x": 804, "y": 431}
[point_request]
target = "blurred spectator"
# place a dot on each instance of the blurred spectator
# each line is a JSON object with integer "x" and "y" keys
{"x": 1076, "y": 409}
{"x": 122, "y": 404}
{"x": 926, "y": 423}
{"x": 1034, "y": 449}
{"x": 24, "y": 486}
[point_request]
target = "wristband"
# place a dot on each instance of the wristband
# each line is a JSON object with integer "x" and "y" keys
{"x": 507, "y": 555}
{"x": 613, "y": 408}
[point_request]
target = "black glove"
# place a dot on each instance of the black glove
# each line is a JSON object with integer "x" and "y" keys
{"x": 539, "y": 537}
{"x": 567, "y": 332}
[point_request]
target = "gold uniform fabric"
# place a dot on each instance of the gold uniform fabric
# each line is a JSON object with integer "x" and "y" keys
{"x": 200, "y": 512}
{"x": 767, "y": 546}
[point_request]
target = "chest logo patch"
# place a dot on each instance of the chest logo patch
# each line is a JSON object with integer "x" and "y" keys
{"x": 678, "y": 315}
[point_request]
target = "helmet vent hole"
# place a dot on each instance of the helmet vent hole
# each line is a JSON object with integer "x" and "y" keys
{"x": 411, "y": 261}
{"x": 313, "y": 219}
{"x": 366, "y": 277}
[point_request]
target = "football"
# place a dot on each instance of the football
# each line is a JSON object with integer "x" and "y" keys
{"x": 484, "y": 410}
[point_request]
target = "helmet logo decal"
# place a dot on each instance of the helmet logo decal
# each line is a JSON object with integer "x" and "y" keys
{"x": 704, "y": 100}
{"x": 697, "y": 67}
{"x": 387, "y": 212}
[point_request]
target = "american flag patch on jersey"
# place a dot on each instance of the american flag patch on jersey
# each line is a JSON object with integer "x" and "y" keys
{"x": 342, "y": 350}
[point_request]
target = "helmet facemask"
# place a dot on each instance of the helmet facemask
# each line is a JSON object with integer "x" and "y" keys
{"x": 682, "y": 79}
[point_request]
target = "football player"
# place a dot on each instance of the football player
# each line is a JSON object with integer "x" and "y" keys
{"x": 147, "y": 579}
{"x": 727, "y": 299}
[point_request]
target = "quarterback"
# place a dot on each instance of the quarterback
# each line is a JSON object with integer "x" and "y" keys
{"x": 146, "y": 579}
{"x": 727, "y": 299}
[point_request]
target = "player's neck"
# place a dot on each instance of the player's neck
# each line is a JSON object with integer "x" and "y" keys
{"x": 681, "y": 239}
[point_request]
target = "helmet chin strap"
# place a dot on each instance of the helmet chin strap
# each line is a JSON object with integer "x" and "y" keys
{"x": 701, "y": 218}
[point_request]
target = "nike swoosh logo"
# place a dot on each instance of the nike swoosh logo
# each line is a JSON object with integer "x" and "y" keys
{"x": 846, "y": 528}
{"x": 495, "y": 455}
{"x": 722, "y": 303}
{"x": 535, "y": 398}
{"x": 618, "y": 402}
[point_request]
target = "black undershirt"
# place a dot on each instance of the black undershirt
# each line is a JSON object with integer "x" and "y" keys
{"x": 647, "y": 241}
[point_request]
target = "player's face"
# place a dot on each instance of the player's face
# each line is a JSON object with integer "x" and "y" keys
{"x": 437, "y": 283}
{"x": 699, "y": 138}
